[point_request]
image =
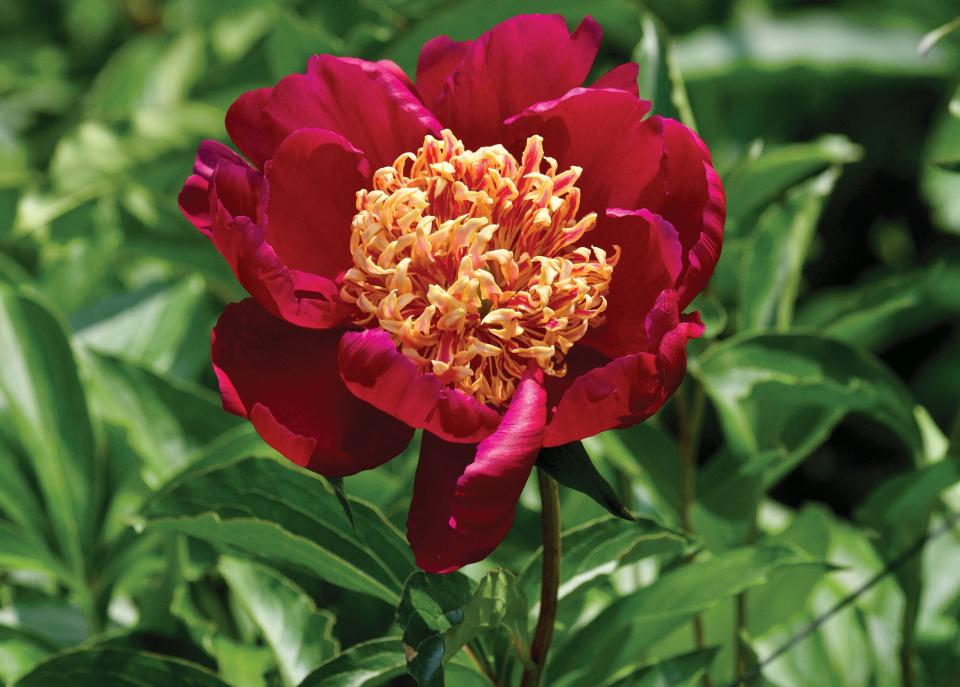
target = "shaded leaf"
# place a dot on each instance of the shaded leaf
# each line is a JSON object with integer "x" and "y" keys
{"x": 571, "y": 466}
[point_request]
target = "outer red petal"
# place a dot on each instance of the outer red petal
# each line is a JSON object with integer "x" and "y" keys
{"x": 365, "y": 102}
{"x": 313, "y": 178}
{"x": 622, "y": 77}
{"x": 650, "y": 262}
{"x": 225, "y": 199}
{"x": 518, "y": 62}
{"x": 247, "y": 127}
{"x": 374, "y": 370}
{"x": 464, "y": 502}
{"x": 689, "y": 194}
{"x": 284, "y": 379}
{"x": 630, "y": 388}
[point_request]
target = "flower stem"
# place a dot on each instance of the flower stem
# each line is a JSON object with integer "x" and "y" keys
{"x": 550, "y": 579}
{"x": 690, "y": 418}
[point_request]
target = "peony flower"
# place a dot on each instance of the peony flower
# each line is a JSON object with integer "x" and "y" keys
{"x": 496, "y": 254}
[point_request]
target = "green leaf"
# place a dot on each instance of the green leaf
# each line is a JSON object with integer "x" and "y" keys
{"x": 767, "y": 176}
{"x": 156, "y": 327}
{"x": 363, "y": 665}
{"x": 668, "y": 603}
{"x": 441, "y": 613}
{"x": 660, "y": 80}
{"x": 570, "y": 465}
{"x": 274, "y": 511}
{"x": 46, "y": 407}
{"x": 882, "y": 312}
{"x": 298, "y": 634}
{"x": 678, "y": 671}
{"x": 600, "y": 548}
{"x": 779, "y": 396}
{"x": 905, "y": 501}
{"x": 941, "y": 188}
{"x": 20, "y": 651}
{"x": 167, "y": 420}
{"x": 772, "y": 267}
{"x": 107, "y": 667}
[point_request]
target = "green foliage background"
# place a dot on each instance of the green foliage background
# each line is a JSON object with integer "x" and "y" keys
{"x": 147, "y": 537}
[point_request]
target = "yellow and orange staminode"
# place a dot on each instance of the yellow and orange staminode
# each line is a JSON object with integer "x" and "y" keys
{"x": 468, "y": 259}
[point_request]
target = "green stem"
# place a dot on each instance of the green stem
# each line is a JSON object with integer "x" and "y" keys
{"x": 690, "y": 419}
{"x": 550, "y": 579}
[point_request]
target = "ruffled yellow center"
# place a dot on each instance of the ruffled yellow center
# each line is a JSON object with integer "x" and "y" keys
{"x": 465, "y": 257}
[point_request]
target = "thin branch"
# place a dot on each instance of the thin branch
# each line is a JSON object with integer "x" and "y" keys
{"x": 817, "y": 623}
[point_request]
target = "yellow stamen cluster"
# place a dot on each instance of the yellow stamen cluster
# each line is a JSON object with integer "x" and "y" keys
{"x": 466, "y": 259}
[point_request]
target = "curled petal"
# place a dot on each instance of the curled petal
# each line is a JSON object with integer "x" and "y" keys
{"x": 689, "y": 194}
{"x": 365, "y": 102}
{"x": 465, "y": 495}
{"x": 225, "y": 200}
{"x": 284, "y": 380}
{"x": 630, "y": 388}
{"x": 518, "y": 62}
{"x": 375, "y": 371}
{"x": 314, "y": 177}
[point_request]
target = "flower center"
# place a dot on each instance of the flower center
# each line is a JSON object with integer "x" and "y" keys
{"x": 466, "y": 258}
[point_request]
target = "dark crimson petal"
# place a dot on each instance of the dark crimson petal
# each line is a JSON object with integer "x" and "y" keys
{"x": 622, "y": 77}
{"x": 650, "y": 262}
{"x": 313, "y": 178}
{"x": 630, "y": 388}
{"x": 603, "y": 131}
{"x": 377, "y": 372}
{"x": 365, "y": 102}
{"x": 225, "y": 200}
{"x": 465, "y": 495}
{"x": 520, "y": 61}
{"x": 689, "y": 194}
{"x": 247, "y": 127}
{"x": 284, "y": 380}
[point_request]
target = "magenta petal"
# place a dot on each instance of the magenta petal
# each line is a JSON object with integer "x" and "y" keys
{"x": 374, "y": 370}
{"x": 464, "y": 495}
{"x": 438, "y": 57}
{"x": 284, "y": 379}
{"x": 365, "y": 102}
{"x": 630, "y": 388}
{"x": 313, "y": 178}
{"x": 622, "y": 77}
{"x": 518, "y": 62}
{"x": 650, "y": 262}
{"x": 247, "y": 127}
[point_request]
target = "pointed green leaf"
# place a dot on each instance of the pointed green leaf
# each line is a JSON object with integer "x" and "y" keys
{"x": 369, "y": 664}
{"x": 571, "y": 466}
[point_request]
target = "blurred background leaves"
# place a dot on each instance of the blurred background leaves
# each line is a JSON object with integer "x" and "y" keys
{"x": 148, "y": 536}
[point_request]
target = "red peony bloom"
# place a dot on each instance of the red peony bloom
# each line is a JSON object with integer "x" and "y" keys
{"x": 496, "y": 255}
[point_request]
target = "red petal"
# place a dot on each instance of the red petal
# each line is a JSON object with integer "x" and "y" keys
{"x": 377, "y": 372}
{"x": 438, "y": 57}
{"x": 630, "y": 388}
{"x": 622, "y": 77}
{"x": 518, "y": 62}
{"x": 464, "y": 502}
{"x": 314, "y": 177}
{"x": 225, "y": 200}
{"x": 650, "y": 262}
{"x": 656, "y": 164}
{"x": 365, "y": 102}
{"x": 689, "y": 194}
{"x": 284, "y": 379}
{"x": 247, "y": 127}
{"x": 603, "y": 132}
